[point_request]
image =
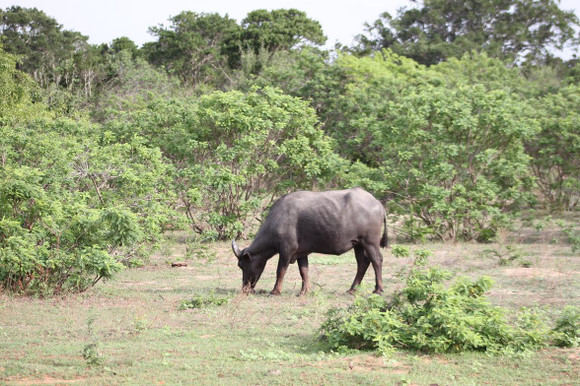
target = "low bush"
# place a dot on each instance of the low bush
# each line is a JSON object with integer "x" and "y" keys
{"x": 431, "y": 315}
{"x": 567, "y": 329}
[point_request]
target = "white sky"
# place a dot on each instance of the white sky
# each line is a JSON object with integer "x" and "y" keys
{"x": 105, "y": 20}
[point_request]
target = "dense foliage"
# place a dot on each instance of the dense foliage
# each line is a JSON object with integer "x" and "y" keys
{"x": 445, "y": 151}
{"x": 455, "y": 114}
{"x": 555, "y": 149}
{"x": 232, "y": 153}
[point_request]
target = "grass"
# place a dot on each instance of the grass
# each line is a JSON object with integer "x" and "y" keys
{"x": 132, "y": 330}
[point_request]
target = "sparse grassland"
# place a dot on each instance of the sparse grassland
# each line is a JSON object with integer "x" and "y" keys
{"x": 134, "y": 329}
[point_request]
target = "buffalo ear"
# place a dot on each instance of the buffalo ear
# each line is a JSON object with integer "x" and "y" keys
{"x": 246, "y": 255}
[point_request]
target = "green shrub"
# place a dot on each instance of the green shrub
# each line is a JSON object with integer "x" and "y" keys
{"x": 446, "y": 151}
{"x": 566, "y": 333}
{"x": 572, "y": 234}
{"x": 233, "y": 153}
{"x": 555, "y": 148}
{"x": 431, "y": 316}
{"x": 506, "y": 254}
{"x": 74, "y": 206}
{"x": 92, "y": 355}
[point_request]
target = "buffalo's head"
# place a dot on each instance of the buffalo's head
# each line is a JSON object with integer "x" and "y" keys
{"x": 252, "y": 268}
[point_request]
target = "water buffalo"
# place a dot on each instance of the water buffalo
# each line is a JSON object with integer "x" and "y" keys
{"x": 331, "y": 222}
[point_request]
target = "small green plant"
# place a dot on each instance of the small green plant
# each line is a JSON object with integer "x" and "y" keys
{"x": 566, "y": 333}
{"x": 400, "y": 251}
{"x": 506, "y": 255}
{"x": 91, "y": 353}
{"x": 203, "y": 301}
{"x": 140, "y": 325}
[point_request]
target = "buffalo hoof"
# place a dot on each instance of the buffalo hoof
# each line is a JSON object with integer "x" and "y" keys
{"x": 248, "y": 291}
{"x": 378, "y": 291}
{"x": 275, "y": 293}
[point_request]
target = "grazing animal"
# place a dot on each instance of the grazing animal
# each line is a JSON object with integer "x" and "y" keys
{"x": 330, "y": 222}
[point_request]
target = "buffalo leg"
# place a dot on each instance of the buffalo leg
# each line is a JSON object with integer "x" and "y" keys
{"x": 280, "y": 272}
{"x": 362, "y": 264}
{"x": 303, "y": 267}
{"x": 374, "y": 254}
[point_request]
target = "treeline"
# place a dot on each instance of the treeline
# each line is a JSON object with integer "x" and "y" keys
{"x": 456, "y": 114}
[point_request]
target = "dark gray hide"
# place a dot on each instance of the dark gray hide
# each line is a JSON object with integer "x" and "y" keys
{"x": 330, "y": 222}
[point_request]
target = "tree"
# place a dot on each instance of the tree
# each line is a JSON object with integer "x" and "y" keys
{"x": 191, "y": 47}
{"x": 131, "y": 83}
{"x": 233, "y": 152}
{"x": 74, "y": 201}
{"x": 56, "y": 59}
{"x": 369, "y": 84}
{"x": 246, "y": 150}
{"x": 124, "y": 44}
{"x": 280, "y": 29}
{"x": 512, "y": 30}
{"x": 305, "y": 72}
{"x": 48, "y": 51}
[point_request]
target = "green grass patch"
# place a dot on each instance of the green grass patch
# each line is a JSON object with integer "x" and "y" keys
{"x": 131, "y": 330}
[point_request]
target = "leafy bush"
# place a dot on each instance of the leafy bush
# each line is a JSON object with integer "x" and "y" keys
{"x": 447, "y": 152}
{"x": 506, "y": 254}
{"x": 234, "y": 152}
{"x": 555, "y": 149}
{"x": 92, "y": 350}
{"x": 49, "y": 243}
{"x": 428, "y": 315}
{"x": 572, "y": 234}
{"x": 16, "y": 92}
{"x": 73, "y": 205}
{"x": 247, "y": 149}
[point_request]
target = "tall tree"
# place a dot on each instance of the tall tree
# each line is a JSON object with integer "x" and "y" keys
{"x": 435, "y": 30}
{"x": 48, "y": 52}
{"x": 280, "y": 29}
{"x": 124, "y": 44}
{"x": 191, "y": 46}
{"x": 16, "y": 90}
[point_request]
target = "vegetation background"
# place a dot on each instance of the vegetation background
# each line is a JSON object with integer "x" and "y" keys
{"x": 457, "y": 115}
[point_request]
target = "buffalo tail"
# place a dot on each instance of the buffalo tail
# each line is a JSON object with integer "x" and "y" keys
{"x": 385, "y": 238}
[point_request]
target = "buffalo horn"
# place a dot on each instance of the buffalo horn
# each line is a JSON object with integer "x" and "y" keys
{"x": 236, "y": 250}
